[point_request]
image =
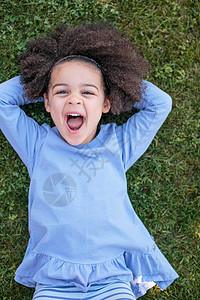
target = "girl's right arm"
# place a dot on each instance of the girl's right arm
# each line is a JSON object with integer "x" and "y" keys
{"x": 138, "y": 132}
{"x": 22, "y": 132}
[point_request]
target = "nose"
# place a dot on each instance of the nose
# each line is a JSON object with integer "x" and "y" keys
{"x": 74, "y": 99}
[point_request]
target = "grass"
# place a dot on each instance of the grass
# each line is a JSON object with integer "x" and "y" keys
{"x": 163, "y": 184}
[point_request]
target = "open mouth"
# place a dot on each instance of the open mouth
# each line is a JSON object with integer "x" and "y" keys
{"x": 74, "y": 121}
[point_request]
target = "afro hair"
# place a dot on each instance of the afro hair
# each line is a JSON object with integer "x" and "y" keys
{"x": 122, "y": 64}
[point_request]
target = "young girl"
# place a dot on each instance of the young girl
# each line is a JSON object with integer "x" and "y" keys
{"x": 86, "y": 241}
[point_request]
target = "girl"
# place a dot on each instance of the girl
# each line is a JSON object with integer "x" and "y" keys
{"x": 86, "y": 241}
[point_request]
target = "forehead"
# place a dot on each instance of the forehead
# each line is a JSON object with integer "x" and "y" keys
{"x": 78, "y": 67}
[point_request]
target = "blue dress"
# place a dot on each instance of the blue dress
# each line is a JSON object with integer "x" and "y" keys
{"x": 83, "y": 228}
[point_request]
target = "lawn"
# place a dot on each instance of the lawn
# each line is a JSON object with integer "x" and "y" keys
{"x": 163, "y": 184}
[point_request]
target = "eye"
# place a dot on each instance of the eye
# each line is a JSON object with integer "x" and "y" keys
{"x": 88, "y": 93}
{"x": 62, "y": 92}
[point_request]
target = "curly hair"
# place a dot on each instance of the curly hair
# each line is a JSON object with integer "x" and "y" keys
{"x": 121, "y": 62}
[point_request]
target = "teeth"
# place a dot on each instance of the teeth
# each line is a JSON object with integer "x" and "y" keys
{"x": 74, "y": 115}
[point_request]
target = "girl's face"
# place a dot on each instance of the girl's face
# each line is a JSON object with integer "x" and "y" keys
{"x": 76, "y": 100}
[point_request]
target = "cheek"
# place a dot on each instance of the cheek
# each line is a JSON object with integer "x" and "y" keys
{"x": 96, "y": 115}
{"x": 56, "y": 111}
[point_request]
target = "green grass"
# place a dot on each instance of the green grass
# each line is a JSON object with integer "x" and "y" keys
{"x": 163, "y": 184}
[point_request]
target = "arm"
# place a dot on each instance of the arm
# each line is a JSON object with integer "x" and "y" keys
{"x": 22, "y": 132}
{"x": 140, "y": 129}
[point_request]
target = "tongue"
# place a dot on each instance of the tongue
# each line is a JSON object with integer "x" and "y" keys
{"x": 75, "y": 123}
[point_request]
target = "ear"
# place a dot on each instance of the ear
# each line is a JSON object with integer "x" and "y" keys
{"x": 107, "y": 105}
{"x": 46, "y": 102}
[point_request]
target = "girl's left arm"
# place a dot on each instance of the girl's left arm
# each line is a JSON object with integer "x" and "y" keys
{"x": 140, "y": 129}
{"x": 23, "y": 133}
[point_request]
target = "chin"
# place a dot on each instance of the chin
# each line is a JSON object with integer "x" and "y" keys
{"x": 74, "y": 142}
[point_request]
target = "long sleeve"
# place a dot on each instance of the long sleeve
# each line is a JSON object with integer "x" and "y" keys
{"x": 22, "y": 132}
{"x": 137, "y": 133}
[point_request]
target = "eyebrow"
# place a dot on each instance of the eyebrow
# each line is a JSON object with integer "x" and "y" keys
{"x": 84, "y": 84}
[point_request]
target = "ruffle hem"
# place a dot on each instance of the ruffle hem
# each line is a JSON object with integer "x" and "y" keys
{"x": 143, "y": 271}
